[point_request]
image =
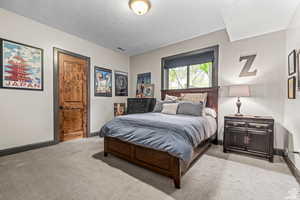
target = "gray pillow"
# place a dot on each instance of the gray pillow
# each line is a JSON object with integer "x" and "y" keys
{"x": 190, "y": 108}
{"x": 159, "y": 105}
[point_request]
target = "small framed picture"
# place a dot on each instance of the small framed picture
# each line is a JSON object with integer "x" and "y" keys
{"x": 298, "y": 69}
{"x": 103, "y": 82}
{"x": 292, "y": 88}
{"x": 119, "y": 109}
{"x": 292, "y": 62}
{"x": 149, "y": 91}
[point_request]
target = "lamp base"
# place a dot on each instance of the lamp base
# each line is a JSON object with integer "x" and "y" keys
{"x": 238, "y": 105}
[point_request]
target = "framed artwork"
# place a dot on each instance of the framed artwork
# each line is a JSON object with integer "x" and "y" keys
{"x": 21, "y": 66}
{"x": 292, "y": 62}
{"x": 142, "y": 80}
{"x": 292, "y": 88}
{"x": 119, "y": 109}
{"x": 103, "y": 82}
{"x": 121, "y": 83}
{"x": 298, "y": 69}
{"x": 149, "y": 91}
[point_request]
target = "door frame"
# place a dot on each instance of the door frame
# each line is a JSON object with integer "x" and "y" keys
{"x": 56, "y": 52}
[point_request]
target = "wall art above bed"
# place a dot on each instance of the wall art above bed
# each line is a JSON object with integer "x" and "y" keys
{"x": 103, "y": 82}
{"x": 21, "y": 66}
{"x": 149, "y": 91}
{"x": 142, "y": 80}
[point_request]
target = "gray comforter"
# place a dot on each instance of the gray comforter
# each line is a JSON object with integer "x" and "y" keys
{"x": 175, "y": 134}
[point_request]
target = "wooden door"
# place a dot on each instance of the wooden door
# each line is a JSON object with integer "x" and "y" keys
{"x": 72, "y": 97}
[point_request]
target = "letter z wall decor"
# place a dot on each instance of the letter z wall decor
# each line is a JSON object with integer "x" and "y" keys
{"x": 247, "y": 67}
{"x": 21, "y": 66}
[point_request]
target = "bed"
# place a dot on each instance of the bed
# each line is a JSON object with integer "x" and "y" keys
{"x": 166, "y": 144}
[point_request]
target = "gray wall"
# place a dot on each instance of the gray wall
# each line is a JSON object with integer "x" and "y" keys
{"x": 26, "y": 117}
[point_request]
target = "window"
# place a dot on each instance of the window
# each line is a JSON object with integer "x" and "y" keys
{"x": 195, "y": 69}
{"x": 200, "y": 75}
{"x": 193, "y": 76}
{"x": 177, "y": 78}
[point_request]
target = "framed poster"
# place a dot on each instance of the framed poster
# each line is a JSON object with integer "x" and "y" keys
{"x": 142, "y": 80}
{"x": 292, "y": 88}
{"x": 119, "y": 109}
{"x": 149, "y": 91}
{"x": 21, "y": 66}
{"x": 103, "y": 82}
{"x": 292, "y": 63}
{"x": 121, "y": 83}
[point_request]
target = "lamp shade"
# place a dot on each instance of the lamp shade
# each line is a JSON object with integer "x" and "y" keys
{"x": 239, "y": 91}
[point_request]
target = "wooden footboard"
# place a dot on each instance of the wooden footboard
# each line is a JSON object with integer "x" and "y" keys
{"x": 158, "y": 161}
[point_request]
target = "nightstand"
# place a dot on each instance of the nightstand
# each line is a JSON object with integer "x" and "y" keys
{"x": 249, "y": 134}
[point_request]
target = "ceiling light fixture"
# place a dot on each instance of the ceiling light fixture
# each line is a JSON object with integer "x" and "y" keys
{"x": 139, "y": 7}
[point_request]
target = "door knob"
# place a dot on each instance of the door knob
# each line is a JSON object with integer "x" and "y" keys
{"x": 61, "y": 107}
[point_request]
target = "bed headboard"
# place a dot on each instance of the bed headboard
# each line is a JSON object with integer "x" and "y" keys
{"x": 212, "y": 95}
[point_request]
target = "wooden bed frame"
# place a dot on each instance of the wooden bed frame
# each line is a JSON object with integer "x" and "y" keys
{"x": 160, "y": 161}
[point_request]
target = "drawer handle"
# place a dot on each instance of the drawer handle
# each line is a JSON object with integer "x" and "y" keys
{"x": 247, "y": 140}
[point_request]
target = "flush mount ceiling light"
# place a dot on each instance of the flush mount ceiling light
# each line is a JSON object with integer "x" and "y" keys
{"x": 139, "y": 7}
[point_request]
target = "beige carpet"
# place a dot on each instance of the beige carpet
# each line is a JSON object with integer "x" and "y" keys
{"x": 77, "y": 170}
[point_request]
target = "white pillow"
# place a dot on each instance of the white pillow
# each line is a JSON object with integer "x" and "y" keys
{"x": 170, "y": 108}
{"x": 170, "y": 98}
{"x": 210, "y": 112}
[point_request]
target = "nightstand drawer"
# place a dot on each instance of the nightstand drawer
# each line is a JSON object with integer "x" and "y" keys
{"x": 261, "y": 126}
{"x": 257, "y": 132}
{"x": 235, "y": 124}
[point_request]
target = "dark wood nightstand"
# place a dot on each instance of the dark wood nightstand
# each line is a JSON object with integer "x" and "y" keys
{"x": 249, "y": 134}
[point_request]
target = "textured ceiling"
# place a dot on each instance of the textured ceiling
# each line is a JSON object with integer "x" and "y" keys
{"x": 110, "y": 23}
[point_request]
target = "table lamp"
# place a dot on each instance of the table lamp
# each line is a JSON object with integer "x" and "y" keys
{"x": 239, "y": 91}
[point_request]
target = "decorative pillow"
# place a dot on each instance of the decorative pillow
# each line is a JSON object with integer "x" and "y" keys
{"x": 194, "y": 97}
{"x": 170, "y": 98}
{"x": 190, "y": 108}
{"x": 210, "y": 112}
{"x": 159, "y": 105}
{"x": 170, "y": 108}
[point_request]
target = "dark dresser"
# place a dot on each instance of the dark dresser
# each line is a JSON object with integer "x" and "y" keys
{"x": 140, "y": 105}
{"x": 249, "y": 134}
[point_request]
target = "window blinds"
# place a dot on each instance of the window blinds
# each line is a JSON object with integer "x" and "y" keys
{"x": 187, "y": 60}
